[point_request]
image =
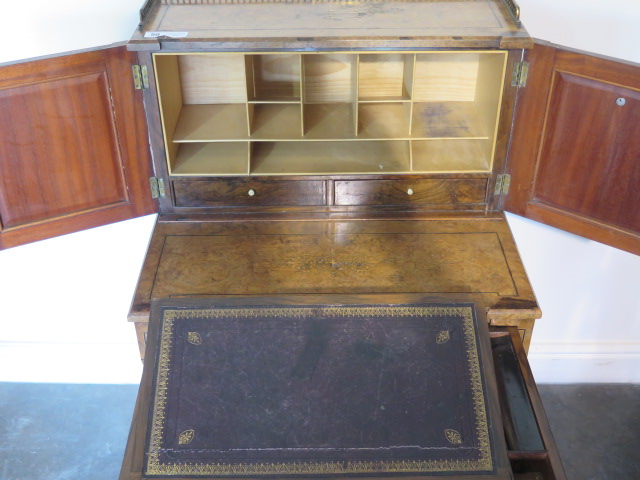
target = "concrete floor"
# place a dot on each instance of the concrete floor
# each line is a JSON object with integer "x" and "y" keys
{"x": 596, "y": 428}
{"x": 69, "y": 432}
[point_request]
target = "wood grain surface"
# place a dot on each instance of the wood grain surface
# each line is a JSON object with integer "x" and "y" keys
{"x": 73, "y": 146}
{"x": 459, "y": 23}
{"x": 589, "y": 160}
{"x": 574, "y": 153}
{"x": 421, "y": 256}
{"x": 410, "y": 192}
{"x": 242, "y": 192}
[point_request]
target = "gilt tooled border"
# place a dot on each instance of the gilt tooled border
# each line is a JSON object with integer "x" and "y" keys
{"x": 155, "y": 467}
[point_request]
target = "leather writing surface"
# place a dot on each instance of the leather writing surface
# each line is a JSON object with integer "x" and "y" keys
{"x": 318, "y": 390}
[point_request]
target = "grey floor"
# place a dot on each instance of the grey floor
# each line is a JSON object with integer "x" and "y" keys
{"x": 68, "y": 432}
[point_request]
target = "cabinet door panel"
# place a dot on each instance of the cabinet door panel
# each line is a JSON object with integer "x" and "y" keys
{"x": 591, "y": 174}
{"x": 73, "y": 148}
{"x": 575, "y": 156}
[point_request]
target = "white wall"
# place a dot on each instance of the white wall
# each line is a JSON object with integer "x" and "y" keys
{"x": 64, "y": 306}
{"x": 43, "y": 27}
{"x": 605, "y": 27}
{"x": 63, "y": 302}
{"x": 589, "y": 293}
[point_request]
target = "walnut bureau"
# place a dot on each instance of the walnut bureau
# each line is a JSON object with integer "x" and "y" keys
{"x": 353, "y": 150}
{"x": 345, "y": 150}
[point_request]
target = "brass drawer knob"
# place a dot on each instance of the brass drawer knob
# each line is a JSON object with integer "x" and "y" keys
{"x": 251, "y": 192}
{"x": 410, "y": 191}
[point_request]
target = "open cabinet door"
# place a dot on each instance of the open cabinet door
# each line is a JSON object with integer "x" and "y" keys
{"x": 74, "y": 150}
{"x": 574, "y": 159}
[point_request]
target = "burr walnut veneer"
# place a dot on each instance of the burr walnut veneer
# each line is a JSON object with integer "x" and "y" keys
{"x": 423, "y": 256}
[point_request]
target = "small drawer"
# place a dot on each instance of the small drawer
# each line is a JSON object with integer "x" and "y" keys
{"x": 437, "y": 192}
{"x": 248, "y": 192}
{"x": 532, "y": 450}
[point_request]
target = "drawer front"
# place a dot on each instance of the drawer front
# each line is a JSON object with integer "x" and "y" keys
{"x": 248, "y": 192}
{"x": 411, "y": 192}
{"x": 532, "y": 448}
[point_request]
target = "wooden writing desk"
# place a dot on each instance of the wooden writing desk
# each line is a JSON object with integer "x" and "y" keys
{"x": 348, "y": 152}
{"x": 360, "y": 149}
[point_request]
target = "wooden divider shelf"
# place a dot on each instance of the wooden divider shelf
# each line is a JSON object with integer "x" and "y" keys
{"x": 273, "y": 78}
{"x": 329, "y": 121}
{"x": 385, "y": 77}
{"x": 215, "y": 158}
{"x": 329, "y": 113}
{"x": 327, "y": 157}
{"x": 275, "y": 121}
{"x": 447, "y": 120}
{"x": 209, "y": 123}
{"x": 384, "y": 120}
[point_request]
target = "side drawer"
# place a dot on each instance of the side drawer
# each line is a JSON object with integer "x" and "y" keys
{"x": 531, "y": 448}
{"x": 248, "y": 192}
{"x": 419, "y": 192}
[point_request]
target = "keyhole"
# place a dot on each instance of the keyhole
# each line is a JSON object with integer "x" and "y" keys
{"x": 621, "y": 101}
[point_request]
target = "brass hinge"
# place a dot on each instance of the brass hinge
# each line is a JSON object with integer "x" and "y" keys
{"x": 520, "y": 74}
{"x": 502, "y": 184}
{"x": 157, "y": 187}
{"x": 140, "y": 77}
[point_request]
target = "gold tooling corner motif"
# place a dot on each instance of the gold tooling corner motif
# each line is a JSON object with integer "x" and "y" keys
{"x": 443, "y": 337}
{"x": 155, "y": 467}
{"x": 194, "y": 338}
{"x": 186, "y": 437}
{"x": 453, "y": 436}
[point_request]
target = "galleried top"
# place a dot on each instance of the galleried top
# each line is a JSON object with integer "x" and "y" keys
{"x": 328, "y": 24}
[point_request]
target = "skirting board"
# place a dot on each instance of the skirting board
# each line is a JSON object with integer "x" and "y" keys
{"x": 119, "y": 363}
{"x": 585, "y": 362}
{"x": 70, "y": 363}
